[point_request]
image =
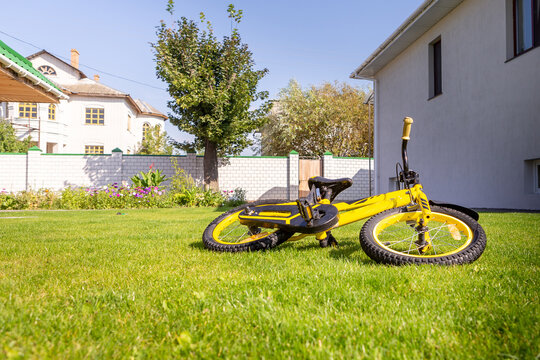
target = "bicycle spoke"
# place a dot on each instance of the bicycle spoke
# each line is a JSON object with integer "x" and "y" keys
{"x": 241, "y": 236}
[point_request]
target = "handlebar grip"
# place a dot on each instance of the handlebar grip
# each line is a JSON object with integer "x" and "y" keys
{"x": 407, "y": 123}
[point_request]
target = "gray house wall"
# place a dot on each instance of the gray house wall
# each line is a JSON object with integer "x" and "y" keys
{"x": 472, "y": 145}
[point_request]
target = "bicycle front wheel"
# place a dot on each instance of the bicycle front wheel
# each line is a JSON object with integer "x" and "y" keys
{"x": 227, "y": 234}
{"x": 392, "y": 237}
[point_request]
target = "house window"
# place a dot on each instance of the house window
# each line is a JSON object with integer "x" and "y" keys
{"x": 46, "y": 70}
{"x": 95, "y": 116}
{"x": 52, "y": 112}
{"x": 93, "y": 149}
{"x": 536, "y": 170}
{"x": 129, "y": 123}
{"x": 28, "y": 110}
{"x": 145, "y": 130}
{"x": 526, "y": 25}
{"x": 435, "y": 68}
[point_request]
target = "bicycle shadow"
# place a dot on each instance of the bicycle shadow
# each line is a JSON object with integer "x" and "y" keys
{"x": 347, "y": 251}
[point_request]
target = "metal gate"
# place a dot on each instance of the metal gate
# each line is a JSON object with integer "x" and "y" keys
{"x": 307, "y": 168}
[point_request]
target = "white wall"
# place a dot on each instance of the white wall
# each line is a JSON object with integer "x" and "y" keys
{"x": 470, "y": 144}
{"x": 260, "y": 177}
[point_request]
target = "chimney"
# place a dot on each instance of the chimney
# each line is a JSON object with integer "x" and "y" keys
{"x": 96, "y": 77}
{"x": 74, "y": 58}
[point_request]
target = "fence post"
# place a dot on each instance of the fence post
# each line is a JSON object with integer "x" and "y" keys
{"x": 293, "y": 175}
{"x": 116, "y": 166}
{"x": 32, "y": 166}
{"x": 327, "y": 164}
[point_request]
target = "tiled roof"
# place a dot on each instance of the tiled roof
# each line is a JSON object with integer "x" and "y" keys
{"x": 23, "y": 63}
{"x": 90, "y": 87}
{"x": 146, "y": 108}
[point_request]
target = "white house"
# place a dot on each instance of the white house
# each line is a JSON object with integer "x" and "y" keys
{"x": 95, "y": 119}
{"x": 468, "y": 72}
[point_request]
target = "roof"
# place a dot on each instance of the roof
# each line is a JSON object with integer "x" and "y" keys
{"x": 21, "y": 82}
{"x": 416, "y": 25}
{"x": 91, "y": 88}
{"x": 87, "y": 87}
{"x": 148, "y": 109}
{"x": 30, "y": 57}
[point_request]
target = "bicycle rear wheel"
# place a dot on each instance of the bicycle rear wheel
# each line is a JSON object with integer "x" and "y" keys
{"x": 227, "y": 234}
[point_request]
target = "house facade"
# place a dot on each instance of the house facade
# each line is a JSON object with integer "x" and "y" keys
{"x": 468, "y": 72}
{"x": 94, "y": 119}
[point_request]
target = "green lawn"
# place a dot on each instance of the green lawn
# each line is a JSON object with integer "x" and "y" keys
{"x": 93, "y": 284}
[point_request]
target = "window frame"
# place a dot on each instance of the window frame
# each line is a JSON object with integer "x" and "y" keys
{"x": 145, "y": 129}
{"x": 536, "y": 176}
{"x": 52, "y": 112}
{"x": 88, "y": 120}
{"x": 93, "y": 149}
{"x": 33, "y": 110}
{"x": 435, "y": 68}
{"x": 535, "y": 26}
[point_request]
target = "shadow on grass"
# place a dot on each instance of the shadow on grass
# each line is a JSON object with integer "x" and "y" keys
{"x": 198, "y": 245}
{"x": 350, "y": 252}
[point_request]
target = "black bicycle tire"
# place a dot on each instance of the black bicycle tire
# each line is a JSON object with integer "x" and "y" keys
{"x": 467, "y": 255}
{"x": 268, "y": 242}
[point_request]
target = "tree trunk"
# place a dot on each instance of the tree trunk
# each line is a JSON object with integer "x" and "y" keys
{"x": 211, "y": 165}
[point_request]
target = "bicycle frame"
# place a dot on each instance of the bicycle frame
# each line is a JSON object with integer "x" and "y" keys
{"x": 350, "y": 212}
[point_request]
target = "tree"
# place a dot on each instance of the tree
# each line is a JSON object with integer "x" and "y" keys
{"x": 213, "y": 84}
{"x": 331, "y": 117}
{"x": 9, "y": 141}
{"x": 155, "y": 142}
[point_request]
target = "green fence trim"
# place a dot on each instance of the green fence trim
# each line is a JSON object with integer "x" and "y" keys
{"x": 11, "y": 153}
{"x": 352, "y": 157}
{"x": 61, "y": 154}
{"x": 258, "y": 157}
{"x": 154, "y": 155}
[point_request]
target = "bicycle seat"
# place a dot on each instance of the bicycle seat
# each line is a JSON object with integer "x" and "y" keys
{"x": 329, "y": 188}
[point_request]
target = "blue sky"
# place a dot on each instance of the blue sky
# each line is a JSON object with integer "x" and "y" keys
{"x": 310, "y": 41}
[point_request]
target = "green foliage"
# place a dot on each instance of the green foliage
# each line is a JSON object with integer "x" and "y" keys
{"x": 196, "y": 196}
{"x": 155, "y": 142}
{"x": 148, "y": 179}
{"x": 213, "y": 84}
{"x": 9, "y": 141}
{"x": 113, "y": 196}
{"x": 30, "y": 200}
{"x": 331, "y": 117}
{"x": 93, "y": 284}
{"x": 183, "y": 190}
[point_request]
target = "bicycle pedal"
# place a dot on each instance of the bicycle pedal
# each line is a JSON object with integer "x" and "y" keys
{"x": 330, "y": 240}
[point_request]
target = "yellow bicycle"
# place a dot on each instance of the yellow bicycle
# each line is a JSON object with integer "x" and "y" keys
{"x": 405, "y": 227}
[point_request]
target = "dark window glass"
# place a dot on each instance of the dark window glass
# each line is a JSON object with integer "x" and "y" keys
{"x": 437, "y": 68}
{"x": 538, "y": 176}
{"x": 536, "y": 22}
{"x": 526, "y": 25}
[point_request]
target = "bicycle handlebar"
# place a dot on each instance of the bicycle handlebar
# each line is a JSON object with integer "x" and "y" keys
{"x": 407, "y": 124}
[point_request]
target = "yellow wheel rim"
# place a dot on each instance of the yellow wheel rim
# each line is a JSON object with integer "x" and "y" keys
{"x": 396, "y": 233}
{"x": 231, "y": 232}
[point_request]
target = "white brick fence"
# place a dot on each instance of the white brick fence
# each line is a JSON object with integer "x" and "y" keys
{"x": 262, "y": 177}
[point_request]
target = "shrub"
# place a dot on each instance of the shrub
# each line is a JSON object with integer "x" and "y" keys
{"x": 29, "y": 199}
{"x": 183, "y": 190}
{"x": 148, "y": 179}
{"x": 235, "y": 197}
